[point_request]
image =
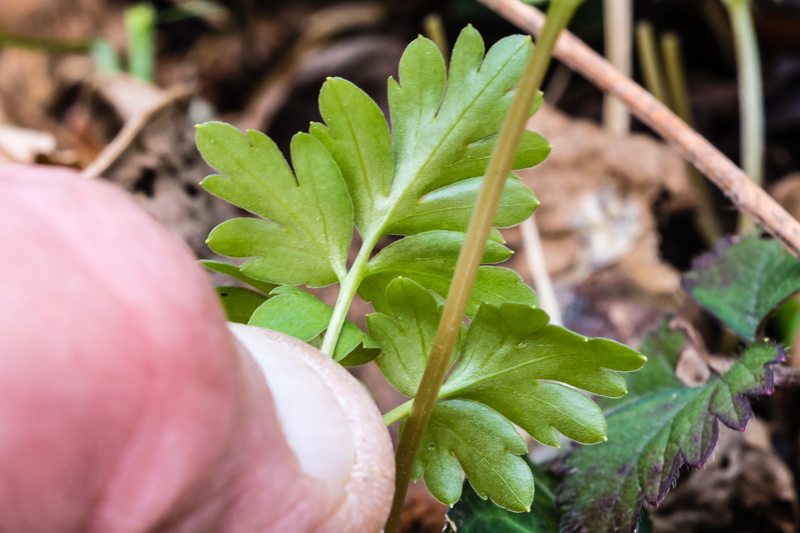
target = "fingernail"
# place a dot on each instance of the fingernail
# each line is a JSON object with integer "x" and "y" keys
{"x": 312, "y": 419}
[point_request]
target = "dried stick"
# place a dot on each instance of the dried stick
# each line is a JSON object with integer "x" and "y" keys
{"x": 786, "y": 376}
{"x": 534, "y": 256}
{"x": 619, "y": 51}
{"x": 746, "y": 195}
{"x": 131, "y": 130}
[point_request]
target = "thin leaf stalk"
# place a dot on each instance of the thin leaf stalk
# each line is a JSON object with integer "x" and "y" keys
{"x": 707, "y": 222}
{"x": 650, "y": 62}
{"x": 347, "y": 291}
{"x": 559, "y": 15}
{"x": 751, "y": 95}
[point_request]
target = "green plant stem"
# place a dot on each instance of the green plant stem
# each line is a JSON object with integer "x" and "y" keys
{"x": 707, "y": 221}
{"x": 398, "y": 413}
{"x": 650, "y": 62}
{"x": 434, "y": 30}
{"x": 347, "y": 291}
{"x": 751, "y": 95}
{"x": 559, "y": 15}
{"x": 140, "y": 28}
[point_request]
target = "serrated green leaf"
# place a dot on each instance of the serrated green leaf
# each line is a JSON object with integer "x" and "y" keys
{"x": 306, "y": 226}
{"x": 430, "y": 258}
{"x": 472, "y": 514}
{"x": 510, "y": 349}
{"x": 234, "y": 272}
{"x": 508, "y": 353}
{"x": 741, "y": 282}
{"x": 239, "y": 303}
{"x": 418, "y": 178}
{"x": 406, "y": 333}
{"x": 443, "y": 131}
{"x": 358, "y": 138}
{"x": 487, "y": 447}
{"x": 651, "y": 438}
{"x": 450, "y": 207}
{"x": 295, "y": 312}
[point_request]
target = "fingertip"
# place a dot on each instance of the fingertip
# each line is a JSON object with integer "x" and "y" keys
{"x": 331, "y": 424}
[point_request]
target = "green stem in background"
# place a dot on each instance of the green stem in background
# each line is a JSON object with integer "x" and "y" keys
{"x": 140, "y": 28}
{"x": 650, "y": 61}
{"x": 105, "y": 58}
{"x": 707, "y": 221}
{"x": 559, "y": 15}
{"x": 751, "y": 95}
{"x": 347, "y": 291}
{"x": 434, "y": 29}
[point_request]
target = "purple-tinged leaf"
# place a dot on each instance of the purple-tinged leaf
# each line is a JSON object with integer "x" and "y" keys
{"x": 651, "y": 438}
{"x": 742, "y": 281}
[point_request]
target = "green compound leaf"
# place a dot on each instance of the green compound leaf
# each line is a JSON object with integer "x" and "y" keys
{"x": 651, "y": 438}
{"x": 430, "y": 259}
{"x": 507, "y": 353}
{"x": 741, "y": 282}
{"x": 236, "y": 273}
{"x": 425, "y": 174}
{"x": 306, "y": 226}
{"x": 420, "y": 178}
{"x": 302, "y": 315}
{"x": 239, "y": 303}
{"x": 473, "y": 514}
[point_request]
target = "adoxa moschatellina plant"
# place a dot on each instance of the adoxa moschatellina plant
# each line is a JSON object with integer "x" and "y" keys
{"x": 420, "y": 180}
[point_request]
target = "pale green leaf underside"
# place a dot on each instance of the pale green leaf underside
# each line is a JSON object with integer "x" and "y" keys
{"x": 236, "y": 273}
{"x": 302, "y": 315}
{"x": 507, "y": 353}
{"x": 406, "y": 333}
{"x": 430, "y": 258}
{"x": 487, "y": 447}
{"x": 425, "y": 173}
{"x": 305, "y": 228}
{"x": 239, "y": 303}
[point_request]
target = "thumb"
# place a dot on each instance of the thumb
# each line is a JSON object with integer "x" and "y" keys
{"x": 331, "y": 424}
{"x": 126, "y": 405}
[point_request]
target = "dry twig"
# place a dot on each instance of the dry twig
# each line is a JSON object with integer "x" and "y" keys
{"x": 131, "y": 130}
{"x": 747, "y": 196}
{"x": 786, "y": 376}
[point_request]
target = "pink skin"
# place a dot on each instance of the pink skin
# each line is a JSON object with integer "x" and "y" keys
{"x": 125, "y": 405}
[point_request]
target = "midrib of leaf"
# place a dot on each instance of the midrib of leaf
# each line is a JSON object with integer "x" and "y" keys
{"x": 395, "y": 201}
{"x": 482, "y": 457}
{"x": 401, "y": 359}
{"x": 367, "y": 182}
{"x": 452, "y": 390}
{"x": 402, "y": 410}
{"x": 566, "y": 414}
